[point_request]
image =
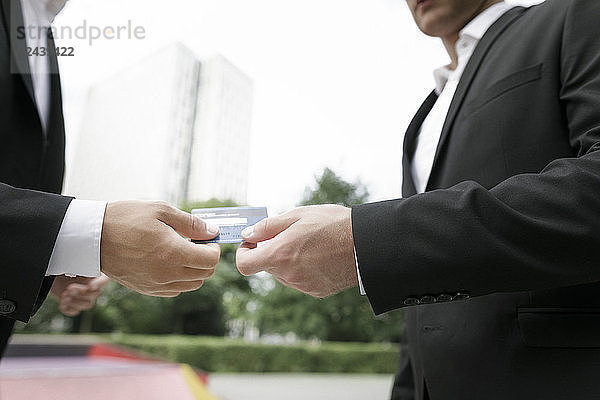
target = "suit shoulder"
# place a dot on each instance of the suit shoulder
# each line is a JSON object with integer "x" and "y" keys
{"x": 553, "y": 7}
{"x": 559, "y": 12}
{"x": 563, "y": 6}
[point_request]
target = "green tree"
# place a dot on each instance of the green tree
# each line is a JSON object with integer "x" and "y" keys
{"x": 346, "y": 316}
{"x": 331, "y": 189}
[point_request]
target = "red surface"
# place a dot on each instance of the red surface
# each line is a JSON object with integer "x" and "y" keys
{"x": 90, "y": 378}
{"x": 104, "y": 350}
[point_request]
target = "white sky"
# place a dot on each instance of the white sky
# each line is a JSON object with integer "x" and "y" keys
{"x": 336, "y": 81}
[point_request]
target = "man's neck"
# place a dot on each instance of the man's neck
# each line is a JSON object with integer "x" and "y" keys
{"x": 450, "y": 40}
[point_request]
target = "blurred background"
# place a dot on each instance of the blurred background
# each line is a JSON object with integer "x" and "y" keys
{"x": 234, "y": 102}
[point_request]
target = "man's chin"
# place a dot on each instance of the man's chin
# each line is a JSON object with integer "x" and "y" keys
{"x": 433, "y": 23}
{"x": 430, "y": 28}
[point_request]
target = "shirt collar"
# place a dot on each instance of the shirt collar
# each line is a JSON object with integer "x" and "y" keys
{"x": 481, "y": 23}
{"x": 474, "y": 31}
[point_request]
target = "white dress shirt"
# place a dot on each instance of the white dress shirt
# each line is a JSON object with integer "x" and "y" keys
{"x": 446, "y": 84}
{"x": 77, "y": 248}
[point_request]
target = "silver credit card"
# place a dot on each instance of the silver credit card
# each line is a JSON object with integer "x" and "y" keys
{"x": 231, "y": 221}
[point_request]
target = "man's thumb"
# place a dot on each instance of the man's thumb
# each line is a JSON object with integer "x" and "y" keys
{"x": 268, "y": 228}
{"x": 190, "y": 226}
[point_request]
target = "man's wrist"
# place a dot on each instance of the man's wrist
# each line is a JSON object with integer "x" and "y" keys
{"x": 77, "y": 247}
{"x": 361, "y": 288}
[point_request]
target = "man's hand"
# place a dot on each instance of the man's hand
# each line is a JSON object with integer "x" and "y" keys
{"x": 77, "y": 294}
{"x": 310, "y": 249}
{"x": 145, "y": 247}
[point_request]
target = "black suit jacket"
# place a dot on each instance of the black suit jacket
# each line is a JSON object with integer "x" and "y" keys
{"x": 31, "y": 173}
{"x": 498, "y": 263}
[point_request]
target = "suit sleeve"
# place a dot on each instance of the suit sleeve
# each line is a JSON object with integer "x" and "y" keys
{"x": 534, "y": 231}
{"x": 29, "y": 224}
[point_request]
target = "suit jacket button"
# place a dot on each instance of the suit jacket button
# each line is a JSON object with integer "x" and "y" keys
{"x": 461, "y": 296}
{"x": 428, "y": 300}
{"x": 412, "y": 301}
{"x": 7, "y": 307}
{"x": 444, "y": 297}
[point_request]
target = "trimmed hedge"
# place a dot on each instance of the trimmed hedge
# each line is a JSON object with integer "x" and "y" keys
{"x": 229, "y": 355}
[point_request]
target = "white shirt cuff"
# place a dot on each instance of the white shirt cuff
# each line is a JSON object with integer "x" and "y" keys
{"x": 361, "y": 288}
{"x": 77, "y": 248}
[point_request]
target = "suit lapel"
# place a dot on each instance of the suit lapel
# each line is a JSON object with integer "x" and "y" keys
{"x": 13, "y": 19}
{"x": 56, "y": 120}
{"x": 467, "y": 78}
{"x": 408, "y": 185}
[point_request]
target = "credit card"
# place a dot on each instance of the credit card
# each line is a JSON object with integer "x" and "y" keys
{"x": 231, "y": 221}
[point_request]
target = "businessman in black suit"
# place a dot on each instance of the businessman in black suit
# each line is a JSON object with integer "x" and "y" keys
{"x": 138, "y": 244}
{"x": 494, "y": 248}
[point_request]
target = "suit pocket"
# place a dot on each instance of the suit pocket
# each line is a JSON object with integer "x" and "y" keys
{"x": 560, "y": 327}
{"x": 505, "y": 85}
